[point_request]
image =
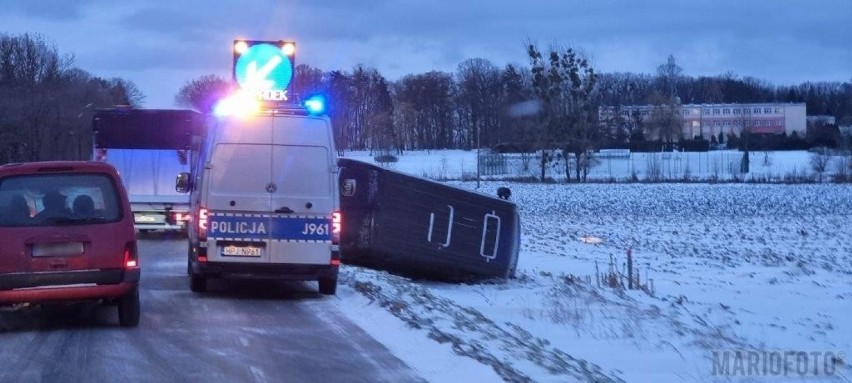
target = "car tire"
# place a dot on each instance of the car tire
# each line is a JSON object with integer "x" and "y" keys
{"x": 197, "y": 283}
{"x": 128, "y": 309}
{"x": 328, "y": 286}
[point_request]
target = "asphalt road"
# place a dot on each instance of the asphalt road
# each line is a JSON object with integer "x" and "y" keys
{"x": 239, "y": 331}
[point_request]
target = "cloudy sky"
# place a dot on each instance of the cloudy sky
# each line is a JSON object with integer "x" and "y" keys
{"x": 160, "y": 45}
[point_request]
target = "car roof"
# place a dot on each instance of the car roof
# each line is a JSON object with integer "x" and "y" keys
{"x": 57, "y": 167}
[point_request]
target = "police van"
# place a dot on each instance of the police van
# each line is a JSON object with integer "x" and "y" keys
{"x": 264, "y": 199}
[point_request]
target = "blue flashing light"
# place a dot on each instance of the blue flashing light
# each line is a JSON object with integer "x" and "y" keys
{"x": 315, "y": 104}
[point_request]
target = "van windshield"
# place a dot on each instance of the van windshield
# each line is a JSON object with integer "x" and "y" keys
{"x": 58, "y": 199}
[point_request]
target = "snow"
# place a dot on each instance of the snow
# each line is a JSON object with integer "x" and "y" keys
{"x": 726, "y": 267}
{"x": 722, "y": 165}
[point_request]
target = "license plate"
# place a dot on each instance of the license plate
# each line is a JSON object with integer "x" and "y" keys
{"x": 140, "y": 218}
{"x": 242, "y": 251}
{"x": 57, "y": 249}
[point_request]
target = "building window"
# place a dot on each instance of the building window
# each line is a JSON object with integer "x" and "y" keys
{"x": 727, "y": 123}
{"x": 726, "y": 111}
{"x": 716, "y": 111}
{"x": 777, "y": 110}
{"x": 716, "y": 123}
{"x": 756, "y": 111}
{"x": 767, "y": 110}
{"x": 736, "y": 111}
{"x": 706, "y": 112}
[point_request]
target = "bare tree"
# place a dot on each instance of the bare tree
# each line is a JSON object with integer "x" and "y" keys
{"x": 203, "y": 92}
{"x": 479, "y": 96}
{"x": 565, "y": 82}
{"x": 819, "y": 160}
{"x": 46, "y": 103}
{"x": 666, "y": 119}
{"x": 668, "y": 77}
{"x": 427, "y": 102}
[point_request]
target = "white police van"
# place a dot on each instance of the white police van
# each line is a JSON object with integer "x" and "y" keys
{"x": 264, "y": 200}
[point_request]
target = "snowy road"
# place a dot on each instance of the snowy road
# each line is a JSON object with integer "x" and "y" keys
{"x": 237, "y": 332}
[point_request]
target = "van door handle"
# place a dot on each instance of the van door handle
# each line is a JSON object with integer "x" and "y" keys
{"x": 449, "y": 227}
{"x": 285, "y": 210}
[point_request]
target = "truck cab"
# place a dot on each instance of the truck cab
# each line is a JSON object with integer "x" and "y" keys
{"x": 264, "y": 200}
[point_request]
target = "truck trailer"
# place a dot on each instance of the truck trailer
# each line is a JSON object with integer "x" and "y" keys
{"x": 149, "y": 148}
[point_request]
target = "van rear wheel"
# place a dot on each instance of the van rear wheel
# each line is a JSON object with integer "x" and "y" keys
{"x": 128, "y": 309}
{"x": 197, "y": 283}
{"x": 328, "y": 286}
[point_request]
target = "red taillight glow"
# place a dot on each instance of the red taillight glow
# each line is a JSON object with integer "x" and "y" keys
{"x": 180, "y": 216}
{"x": 130, "y": 260}
{"x": 335, "y": 262}
{"x": 202, "y": 224}
{"x": 337, "y": 226}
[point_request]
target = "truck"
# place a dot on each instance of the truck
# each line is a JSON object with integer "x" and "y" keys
{"x": 149, "y": 148}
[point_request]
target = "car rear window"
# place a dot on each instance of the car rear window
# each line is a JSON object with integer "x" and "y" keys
{"x": 58, "y": 199}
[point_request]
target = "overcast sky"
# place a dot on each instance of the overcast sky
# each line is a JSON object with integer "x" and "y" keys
{"x": 160, "y": 45}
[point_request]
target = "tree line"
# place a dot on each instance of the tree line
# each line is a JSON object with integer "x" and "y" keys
{"x": 481, "y": 104}
{"x": 551, "y": 101}
{"x": 47, "y": 103}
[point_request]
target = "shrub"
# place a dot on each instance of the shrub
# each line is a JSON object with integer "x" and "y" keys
{"x": 386, "y": 158}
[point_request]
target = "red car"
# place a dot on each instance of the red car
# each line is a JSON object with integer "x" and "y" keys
{"x": 66, "y": 235}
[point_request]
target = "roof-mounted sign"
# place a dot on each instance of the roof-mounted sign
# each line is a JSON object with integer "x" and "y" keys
{"x": 265, "y": 67}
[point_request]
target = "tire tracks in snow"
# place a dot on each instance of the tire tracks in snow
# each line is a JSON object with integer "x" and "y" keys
{"x": 469, "y": 332}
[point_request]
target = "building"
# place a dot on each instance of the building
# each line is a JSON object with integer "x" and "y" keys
{"x": 821, "y": 119}
{"x": 711, "y": 119}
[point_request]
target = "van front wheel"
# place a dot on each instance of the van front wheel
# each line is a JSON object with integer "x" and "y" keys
{"x": 328, "y": 286}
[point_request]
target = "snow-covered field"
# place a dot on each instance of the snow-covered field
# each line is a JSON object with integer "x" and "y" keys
{"x": 722, "y": 165}
{"x": 724, "y": 268}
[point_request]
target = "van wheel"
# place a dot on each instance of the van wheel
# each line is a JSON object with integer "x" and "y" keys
{"x": 128, "y": 309}
{"x": 328, "y": 286}
{"x": 189, "y": 261}
{"x": 197, "y": 283}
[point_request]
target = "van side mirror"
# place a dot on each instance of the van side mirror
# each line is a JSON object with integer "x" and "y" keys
{"x": 182, "y": 184}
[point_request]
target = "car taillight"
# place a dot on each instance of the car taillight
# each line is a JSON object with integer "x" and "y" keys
{"x": 336, "y": 227}
{"x": 130, "y": 258}
{"x": 202, "y": 224}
